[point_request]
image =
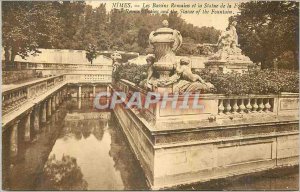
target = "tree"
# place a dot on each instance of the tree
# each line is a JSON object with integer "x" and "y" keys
{"x": 70, "y": 14}
{"x": 27, "y": 26}
{"x": 143, "y": 36}
{"x": 268, "y": 29}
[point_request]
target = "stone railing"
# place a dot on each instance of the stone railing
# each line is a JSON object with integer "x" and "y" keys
{"x": 89, "y": 78}
{"x": 14, "y": 96}
{"x": 24, "y": 71}
{"x": 219, "y": 106}
{"x": 246, "y": 104}
{"x": 59, "y": 66}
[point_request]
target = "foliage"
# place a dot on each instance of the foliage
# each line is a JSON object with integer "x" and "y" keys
{"x": 255, "y": 81}
{"x": 27, "y": 26}
{"x": 131, "y": 72}
{"x": 269, "y": 29}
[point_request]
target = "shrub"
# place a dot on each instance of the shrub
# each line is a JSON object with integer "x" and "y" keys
{"x": 265, "y": 81}
{"x": 131, "y": 72}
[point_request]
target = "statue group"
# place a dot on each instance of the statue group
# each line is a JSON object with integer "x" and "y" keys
{"x": 165, "y": 71}
{"x": 228, "y": 47}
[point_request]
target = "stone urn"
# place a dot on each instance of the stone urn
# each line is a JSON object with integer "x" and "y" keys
{"x": 166, "y": 42}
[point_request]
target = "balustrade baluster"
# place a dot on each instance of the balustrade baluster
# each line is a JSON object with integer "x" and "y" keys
{"x": 221, "y": 107}
{"x": 267, "y": 105}
{"x": 228, "y": 107}
{"x": 254, "y": 106}
{"x": 242, "y": 106}
{"x": 261, "y": 105}
{"x": 235, "y": 107}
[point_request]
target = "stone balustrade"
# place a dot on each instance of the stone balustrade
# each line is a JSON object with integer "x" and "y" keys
{"x": 222, "y": 106}
{"x": 60, "y": 66}
{"x": 246, "y": 104}
{"x": 89, "y": 78}
{"x": 15, "y": 96}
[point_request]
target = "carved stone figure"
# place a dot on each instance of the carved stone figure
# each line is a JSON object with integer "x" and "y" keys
{"x": 228, "y": 46}
{"x": 152, "y": 74}
{"x": 185, "y": 81}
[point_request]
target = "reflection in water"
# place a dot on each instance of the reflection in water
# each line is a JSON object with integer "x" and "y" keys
{"x": 63, "y": 174}
{"x": 94, "y": 149}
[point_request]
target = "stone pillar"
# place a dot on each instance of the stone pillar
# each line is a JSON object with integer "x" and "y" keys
{"x": 60, "y": 97}
{"x": 44, "y": 112}
{"x": 49, "y": 108}
{"x": 79, "y": 91}
{"x": 14, "y": 141}
{"x": 94, "y": 90}
{"x": 27, "y": 136}
{"x": 107, "y": 89}
{"x": 53, "y": 103}
{"x": 79, "y": 103}
{"x": 36, "y": 122}
{"x": 57, "y": 99}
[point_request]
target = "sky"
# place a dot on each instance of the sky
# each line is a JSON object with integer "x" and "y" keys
{"x": 218, "y": 21}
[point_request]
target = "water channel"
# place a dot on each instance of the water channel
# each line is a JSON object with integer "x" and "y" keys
{"x": 83, "y": 149}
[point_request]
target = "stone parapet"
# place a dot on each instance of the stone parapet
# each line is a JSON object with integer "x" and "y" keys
{"x": 217, "y": 143}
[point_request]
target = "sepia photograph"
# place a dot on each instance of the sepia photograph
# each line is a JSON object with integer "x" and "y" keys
{"x": 150, "y": 95}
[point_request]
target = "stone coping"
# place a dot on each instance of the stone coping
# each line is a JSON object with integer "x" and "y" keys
{"x": 6, "y": 88}
{"x": 11, "y": 87}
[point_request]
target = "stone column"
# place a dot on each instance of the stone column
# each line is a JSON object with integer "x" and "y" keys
{"x": 36, "y": 122}
{"x": 107, "y": 89}
{"x": 53, "y": 103}
{"x": 79, "y": 103}
{"x": 44, "y": 112}
{"x": 60, "y": 97}
{"x": 14, "y": 141}
{"x": 94, "y": 90}
{"x": 79, "y": 91}
{"x": 27, "y": 136}
{"x": 57, "y": 99}
{"x": 49, "y": 108}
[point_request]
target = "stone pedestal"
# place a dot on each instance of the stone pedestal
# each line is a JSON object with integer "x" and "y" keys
{"x": 228, "y": 66}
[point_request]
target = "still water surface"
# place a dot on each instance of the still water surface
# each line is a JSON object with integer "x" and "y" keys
{"x": 92, "y": 153}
